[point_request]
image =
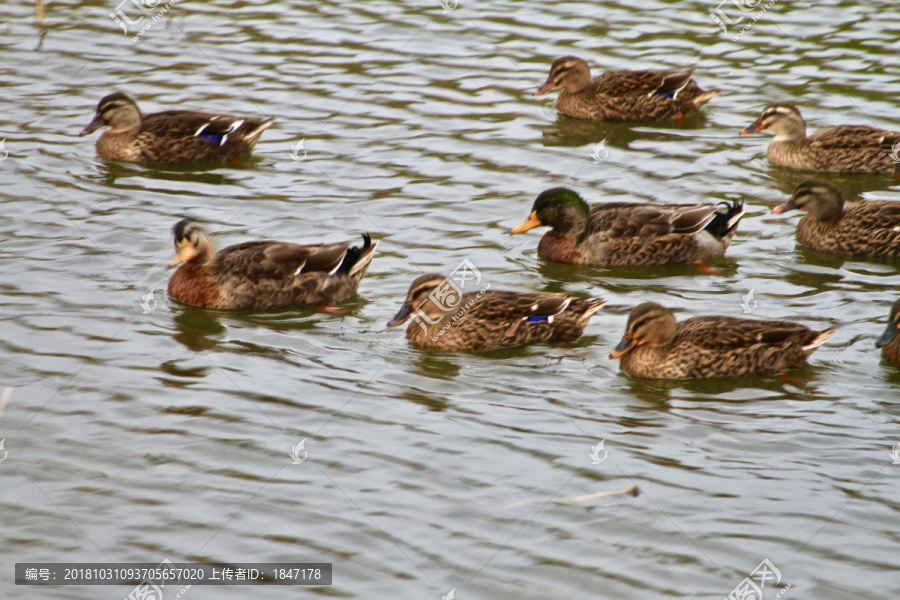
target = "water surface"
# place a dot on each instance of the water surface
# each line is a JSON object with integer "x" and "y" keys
{"x": 134, "y": 437}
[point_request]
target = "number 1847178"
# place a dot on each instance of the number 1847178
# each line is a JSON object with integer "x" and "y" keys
{"x": 301, "y": 574}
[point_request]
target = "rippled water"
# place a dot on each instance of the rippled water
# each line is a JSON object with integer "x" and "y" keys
{"x": 137, "y": 436}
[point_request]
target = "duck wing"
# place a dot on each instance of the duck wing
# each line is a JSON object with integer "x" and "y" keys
{"x": 851, "y": 137}
{"x": 496, "y": 305}
{"x": 209, "y": 127}
{"x": 276, "y": 260}
{"x": 646, "y": 83}
{"x": 873, "y": 216}
{"x": 622, "y": 220}
{"x": 728, "y": 333}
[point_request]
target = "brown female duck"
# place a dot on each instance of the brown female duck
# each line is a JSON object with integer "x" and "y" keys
{"x": 171, "y": 136}
{"x": 889, "y": 342}
{"x": 627, "y": 233}
{"x": 264, "y": 274}
{"x": 656, "y": 347}
{"x": 839, "y": 149}
{"x": 623, "y": 95}
{"x": 446, "y": 320}
{"x": 866, "y": 227}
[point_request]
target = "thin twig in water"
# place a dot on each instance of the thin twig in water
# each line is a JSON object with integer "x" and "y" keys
{"x": 631, "y": 489}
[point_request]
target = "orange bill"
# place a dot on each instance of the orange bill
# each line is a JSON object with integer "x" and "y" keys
{"x": 548, "y": 85}
{"x": 789, "y": 205}
{"x": 528, "y": 224}
{"x": 755, "y": 126}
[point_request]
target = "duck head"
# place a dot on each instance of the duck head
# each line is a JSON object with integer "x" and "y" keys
{"x": 570, "y": 73}
{"x": 116, "y": 110}
{"x": 559, "y": 208}
{"x": 191, "y": 243}
{"x": 648, "y": 324}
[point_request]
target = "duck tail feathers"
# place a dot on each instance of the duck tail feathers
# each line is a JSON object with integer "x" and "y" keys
{"x": 726, "y": 222}
{"x": 358, "y": 259}
{"x": 819, "y": 340}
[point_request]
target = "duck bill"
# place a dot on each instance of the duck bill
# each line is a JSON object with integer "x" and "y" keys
{"x": 624, "y": 347}
{"x": 781, "y": 208}
{"x": 182, "y": 255}
{"x": 757, "y": 125}
{"x": 548, "y": 85}
{"x": 889, "y": 335}
{"x": 402, "y": 315}
{"x": 528, "y": 224}
{"x": 93, "y": 126}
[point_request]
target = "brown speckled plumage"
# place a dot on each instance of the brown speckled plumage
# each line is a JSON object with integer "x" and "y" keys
{"x": 838, "y": 149}
{"x": 865, "y": 227}
{"x": 626, "y": 233}
{"x": 623, "y": 95}
{"x": 172, "y": 136}
{"x": 488, "y": 319}
{"x": 264, "y": 274}
{"x": 656, "y": 347}
{"x": 889, "y": 342}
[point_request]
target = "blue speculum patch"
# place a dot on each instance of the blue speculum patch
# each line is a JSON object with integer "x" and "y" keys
{"x": 215, "y": 138}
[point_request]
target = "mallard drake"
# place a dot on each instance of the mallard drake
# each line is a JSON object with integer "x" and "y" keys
{"x": 628, "y": 233}
{"x": 264, "y": 274}
{"x": 866, "y": 227}
{"x": 171, "y": 136}
{"x": 447, "y": 320}
{"x": 839, "y": 149}
{"x": 656, "y": 347}
{"x": 623, "y": 95}
{"x": 889, "y": 342}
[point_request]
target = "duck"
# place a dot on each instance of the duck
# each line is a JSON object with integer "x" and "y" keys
{"x": 655, "y": 346}
{"x": 448, "y": 320}
{"x": 266, "y": 274}
{"x": 623, "y": 95}
{"x": 628, "y": 233}
{"x": 864, "y": 228}
{"x": 889, "y": 342}
{"x": 838, "y": 149}
{"x": 172, "y": 136}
